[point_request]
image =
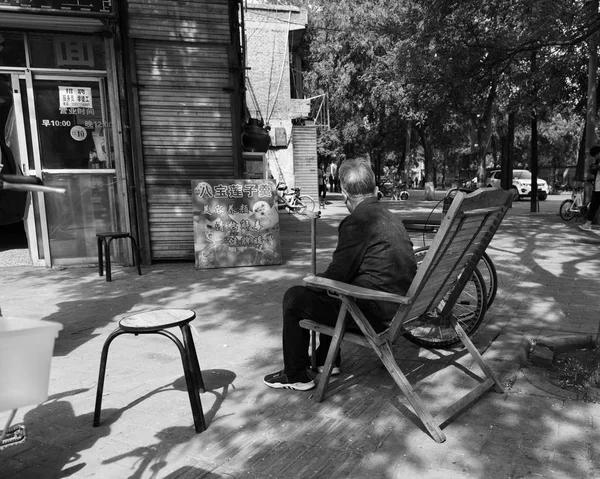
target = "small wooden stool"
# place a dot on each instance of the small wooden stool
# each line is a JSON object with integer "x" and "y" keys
{"x": 104, "y": 240}
{"x": 155, "y": 322}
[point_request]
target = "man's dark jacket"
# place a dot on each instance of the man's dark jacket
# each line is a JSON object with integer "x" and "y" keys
{"x": 373, "y": 251}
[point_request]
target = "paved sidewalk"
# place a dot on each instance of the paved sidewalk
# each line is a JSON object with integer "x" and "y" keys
{"x": 549, "y": 274}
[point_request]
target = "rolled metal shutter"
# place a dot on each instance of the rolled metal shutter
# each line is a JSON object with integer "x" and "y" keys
{"x": 305, "y": 159}
{"x": 184, "y": 95}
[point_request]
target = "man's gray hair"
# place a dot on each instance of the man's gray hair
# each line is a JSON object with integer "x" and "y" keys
{"x": 357, "y": 177}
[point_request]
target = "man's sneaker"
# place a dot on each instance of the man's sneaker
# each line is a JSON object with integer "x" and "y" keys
{"x": 334, "y": 372}
{"x": 279, "y": 380}
{"x": 585, "y": 227}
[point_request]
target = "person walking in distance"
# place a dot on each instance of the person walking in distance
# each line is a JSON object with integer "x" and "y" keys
{"x": 595, "y": 202}
{"x": 331, "y": 172}
{"x": 322, "y": 185}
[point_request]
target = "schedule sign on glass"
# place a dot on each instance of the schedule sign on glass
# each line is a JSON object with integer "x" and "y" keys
{"x": 236, "y": 223}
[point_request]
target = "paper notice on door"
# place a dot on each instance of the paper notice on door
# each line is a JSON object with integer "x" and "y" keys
{"x": 75, "y": 97}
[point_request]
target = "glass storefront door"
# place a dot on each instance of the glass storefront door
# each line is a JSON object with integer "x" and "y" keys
{"x": 65, "y": 126}
{"x": 60, "y": 129}
{"x": 73, "y": 124}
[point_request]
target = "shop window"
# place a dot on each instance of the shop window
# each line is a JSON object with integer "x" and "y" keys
{"x": 73, "y": 52}
{"x": 12, "y": 49}
{"x": 71, "y": 124}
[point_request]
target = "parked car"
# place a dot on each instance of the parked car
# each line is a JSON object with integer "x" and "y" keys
{"x": 521, "y": 184}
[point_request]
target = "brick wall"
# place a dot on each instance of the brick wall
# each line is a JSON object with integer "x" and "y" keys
{"x": 270, "y": 32}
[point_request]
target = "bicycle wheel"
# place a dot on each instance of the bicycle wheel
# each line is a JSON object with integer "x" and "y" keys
{"x": 433, "y": 330}
{"x": 490, "y": 277}
{"x": 485, "y": 266}
{"x": 305, "y": 203}
{"x": 566, "y": 210}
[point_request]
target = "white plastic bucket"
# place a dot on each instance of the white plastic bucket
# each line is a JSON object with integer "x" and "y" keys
{"x": 26, "y": 347}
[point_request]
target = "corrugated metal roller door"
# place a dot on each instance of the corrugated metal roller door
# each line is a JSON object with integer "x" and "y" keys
{"x": 185, "y": 112}
{"x": 199, "y": 21}
{"x": 305, "y": 159}
{"x": 203, "y": 21}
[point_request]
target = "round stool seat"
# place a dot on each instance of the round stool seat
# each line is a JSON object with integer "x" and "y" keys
{"x": 150, "y": 321}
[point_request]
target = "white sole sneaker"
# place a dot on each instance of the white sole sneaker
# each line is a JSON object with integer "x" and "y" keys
{"x": 280, "y": 381}
{"x": 334, "y": 372}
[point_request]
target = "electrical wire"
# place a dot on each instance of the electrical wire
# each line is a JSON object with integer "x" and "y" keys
{"x": 283, "y": 64}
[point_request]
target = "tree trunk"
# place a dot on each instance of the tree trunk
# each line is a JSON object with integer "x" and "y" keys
{"x": 429, "y": 186}
{"x": 407, "y": 152}
{"x": 483, "y": 125}
{"x": 534, "y": 139}
{"x": 590, "y": 133}
{"x": 580, "y": 168}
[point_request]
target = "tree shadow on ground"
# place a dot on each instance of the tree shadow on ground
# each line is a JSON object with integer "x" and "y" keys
{"x": 362, "y": 429}
{"x": 56, "y": 435}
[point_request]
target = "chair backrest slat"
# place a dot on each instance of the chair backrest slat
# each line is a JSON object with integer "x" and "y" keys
{"x": 465, "y": 232}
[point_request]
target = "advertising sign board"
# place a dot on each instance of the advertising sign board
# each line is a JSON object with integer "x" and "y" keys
{"x": 236, "y": 223}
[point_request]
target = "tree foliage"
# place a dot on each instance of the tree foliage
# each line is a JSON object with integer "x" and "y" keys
{"x": 453, "y": 71}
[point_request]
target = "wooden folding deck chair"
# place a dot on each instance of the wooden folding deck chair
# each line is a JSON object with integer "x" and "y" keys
{"x": 465, "y": 232}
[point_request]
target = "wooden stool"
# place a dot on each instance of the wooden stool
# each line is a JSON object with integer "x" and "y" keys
{"x": 104, "y": 240}
{"x": 155, "y": 322}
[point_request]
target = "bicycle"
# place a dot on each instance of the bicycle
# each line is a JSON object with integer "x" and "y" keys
{"x": 294, "y": 202}
{"x": 486, "y": 265}
{"x": 394, "y": 190}
{"x": 433, "y": 329}
{"x": 574, "y": 206}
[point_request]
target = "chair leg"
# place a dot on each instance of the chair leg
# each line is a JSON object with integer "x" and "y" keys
{"x": 334, "y": 348}
{"x": 386, "y": 355}
{"x": 100, "y": 266}
{"x": 102, "y": 373}
{"x": 475, "y": 354}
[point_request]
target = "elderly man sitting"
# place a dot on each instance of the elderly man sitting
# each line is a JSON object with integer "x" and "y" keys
{"x": 373, "y": 251}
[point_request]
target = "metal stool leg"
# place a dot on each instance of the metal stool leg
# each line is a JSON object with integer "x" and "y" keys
{"x": 100, "y": 266}
{"x": 190, "y": 380}
{"x": 188, "y": 341}
{"x": 101, "y": 374}
{"x": 107, "y": 254}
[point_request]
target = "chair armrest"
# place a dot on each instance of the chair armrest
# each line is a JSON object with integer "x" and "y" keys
{"x": 354, "y": 291}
